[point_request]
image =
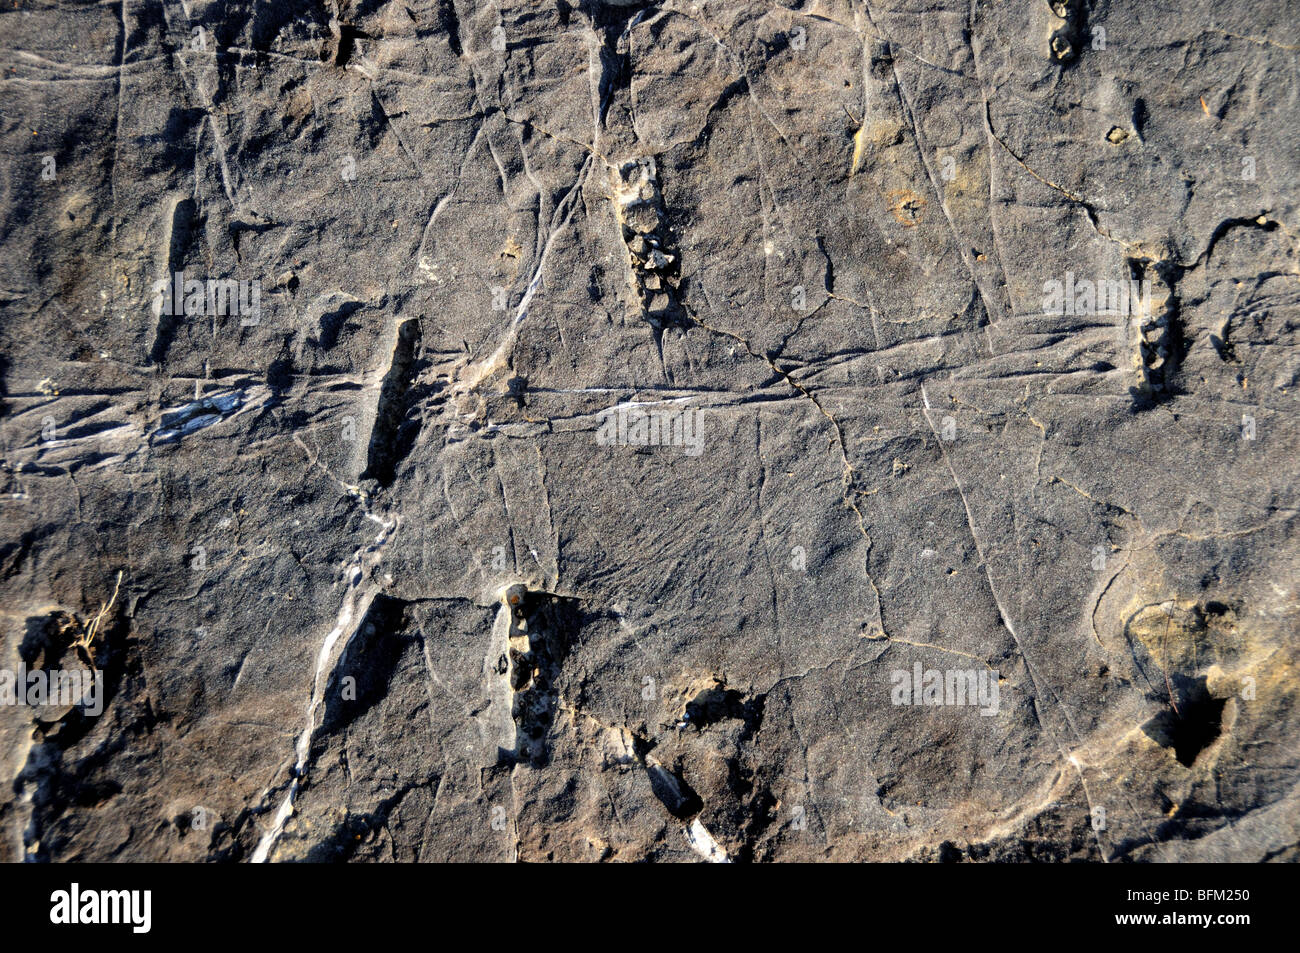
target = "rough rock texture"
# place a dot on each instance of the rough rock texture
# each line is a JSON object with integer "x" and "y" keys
{"x": 396, "y": 585}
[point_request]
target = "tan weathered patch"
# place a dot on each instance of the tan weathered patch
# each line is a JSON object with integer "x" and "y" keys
{"x": 878, "y": 134}
{"x": 907, "y": 207}
{"x": 1181, "y": 636}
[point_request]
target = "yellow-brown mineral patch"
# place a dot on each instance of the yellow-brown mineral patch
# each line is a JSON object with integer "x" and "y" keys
{"x": 907, "y": 206}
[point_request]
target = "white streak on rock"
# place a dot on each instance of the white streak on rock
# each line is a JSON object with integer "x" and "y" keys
{"x": 702, "y": 843}
{"x": 356, "y": 603}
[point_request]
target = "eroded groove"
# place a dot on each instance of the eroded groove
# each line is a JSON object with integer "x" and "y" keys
{"x": 180, "y": 234}
{"x": 654, "y": 265}
{"x": 369, "y": 660}
{"x": 450, "y": 21}
{"x": 393, "y": 433}
{"x": 672, "y": 790}
{"x": 542, "y": 628}
{"x": 1159, "y": 340}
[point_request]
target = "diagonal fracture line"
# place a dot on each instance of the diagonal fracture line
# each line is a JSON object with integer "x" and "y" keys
{"x": 352, "y": 613}
{"x": 487, "y": 366}
{"x": 1006, "y": 622}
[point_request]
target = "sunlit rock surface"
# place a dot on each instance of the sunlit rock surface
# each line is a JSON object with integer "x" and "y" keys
{"x": 650, "y": 431}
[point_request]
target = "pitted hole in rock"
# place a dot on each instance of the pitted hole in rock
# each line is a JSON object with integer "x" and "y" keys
{"x": 55, "y": 776}
{"x": 1070, "y": 37}
{"x": 348, "y": 35}
{"x": 279, "y": 376}
{"x": 331, "y": 322}
{"x": 47, "y": 638}
{"x": 949, "y": 853}
{"x": 719, "y": 703}
{"x": 542, "y": 627}
{"x": 1194, "y": 726}
{"x": 55, "y": 644}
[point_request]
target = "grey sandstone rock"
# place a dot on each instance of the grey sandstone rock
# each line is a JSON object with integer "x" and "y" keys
{"x": 334, "y": 326}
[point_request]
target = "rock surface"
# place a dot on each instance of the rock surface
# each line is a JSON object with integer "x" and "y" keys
{"x": 618, "y": 405}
